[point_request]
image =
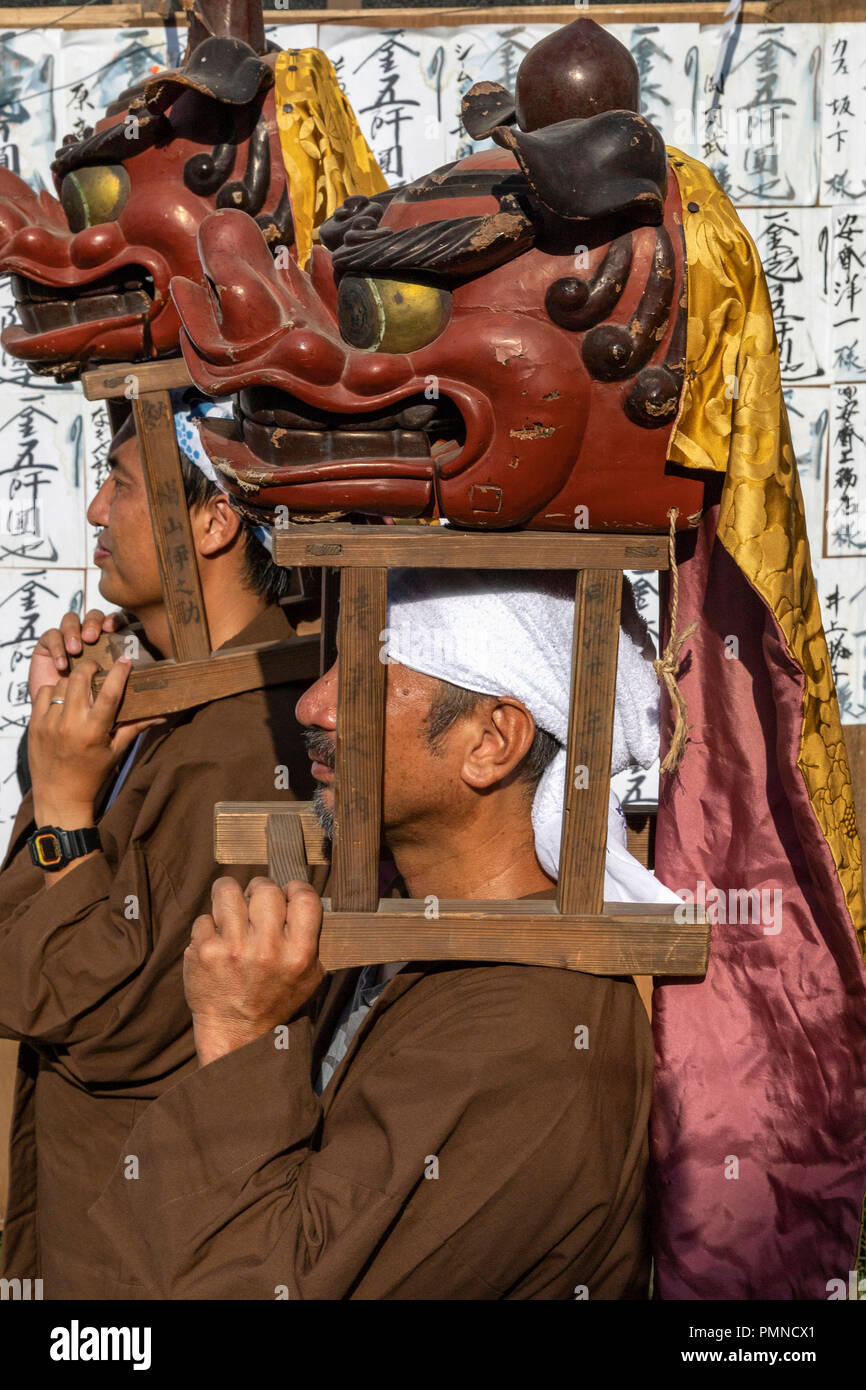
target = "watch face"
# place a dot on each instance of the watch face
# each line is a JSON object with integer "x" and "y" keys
{"x": 48, "y": 849}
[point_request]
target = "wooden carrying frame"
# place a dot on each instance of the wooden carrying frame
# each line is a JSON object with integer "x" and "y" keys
{"x": 195, "y": 673}
{"x": 579, "y": 931}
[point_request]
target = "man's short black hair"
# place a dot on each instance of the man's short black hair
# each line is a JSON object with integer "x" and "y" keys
{"x": 265, "y": 578}
{"x": 451, "y": 703}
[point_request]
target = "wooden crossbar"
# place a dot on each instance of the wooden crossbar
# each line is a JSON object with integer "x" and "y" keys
{"x": 240, "y": 831}
{"x": 165, "y": 687}
{"x": 613, "y": 942}
{"x": 345, "y": 546}
{"x": 241, "y": 828}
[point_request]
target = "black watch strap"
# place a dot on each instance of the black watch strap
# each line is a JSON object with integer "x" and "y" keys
{"x": 52, "y": 848}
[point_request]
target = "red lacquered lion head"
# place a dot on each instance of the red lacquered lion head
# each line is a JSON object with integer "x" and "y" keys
{"x": 91, "y": 268}
{"x": 504, "y": 346}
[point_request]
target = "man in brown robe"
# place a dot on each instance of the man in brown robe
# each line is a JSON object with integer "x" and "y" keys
{"x": 483, "y": 1135}
{"x": 91, "y": 956}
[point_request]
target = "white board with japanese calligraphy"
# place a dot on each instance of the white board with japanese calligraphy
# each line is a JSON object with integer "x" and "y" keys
{"x": 779, "y": 114}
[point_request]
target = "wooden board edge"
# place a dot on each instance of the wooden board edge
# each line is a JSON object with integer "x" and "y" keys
{"x": 120, "y": 16}
{"x": 250, "y": 847}
{"x": 339, "y": 546}
{"x": 133, "y": 16}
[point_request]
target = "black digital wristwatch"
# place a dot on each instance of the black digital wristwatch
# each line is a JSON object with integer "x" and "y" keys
{"x": 52, "y": 848}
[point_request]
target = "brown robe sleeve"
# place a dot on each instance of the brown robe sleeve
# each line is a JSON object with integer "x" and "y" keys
{"x": 471, "y": 1152}
{"x": 92, "y": 965}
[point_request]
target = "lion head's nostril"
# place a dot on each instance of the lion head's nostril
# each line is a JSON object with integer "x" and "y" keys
{"x": 96, "y": 245}
{"x": 314, "y": 357}
{"x": 372, "y": 374}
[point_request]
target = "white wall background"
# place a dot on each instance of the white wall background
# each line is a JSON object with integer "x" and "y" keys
{"x": 786, "y": 137}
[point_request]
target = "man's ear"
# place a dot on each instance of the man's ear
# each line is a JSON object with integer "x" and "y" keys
{"x": 500, "y": 734}
{"x": 216, "y": 524}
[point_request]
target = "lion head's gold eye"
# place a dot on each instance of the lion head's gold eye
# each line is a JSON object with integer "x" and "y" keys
{"x": 93, "y": 194}
{"x": 390, "y": 315}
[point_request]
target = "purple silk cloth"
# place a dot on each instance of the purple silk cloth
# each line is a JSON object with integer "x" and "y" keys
{"x": 759, "y": 1115}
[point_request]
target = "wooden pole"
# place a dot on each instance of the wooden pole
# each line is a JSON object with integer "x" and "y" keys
{"x": 360, "y": 741}
{"x": 330, "y": 618}
{"x": 172, "y": 531}
{"x": 590, "y": 734}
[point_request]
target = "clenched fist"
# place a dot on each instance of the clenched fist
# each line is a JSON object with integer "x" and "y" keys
{"x": 253, "y": 964}
{"x": 54, "y": 648}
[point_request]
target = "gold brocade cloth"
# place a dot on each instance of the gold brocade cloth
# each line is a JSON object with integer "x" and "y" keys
{"x": 326, "y": 156}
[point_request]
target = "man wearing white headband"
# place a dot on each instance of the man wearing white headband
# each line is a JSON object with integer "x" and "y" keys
{"x": 90, "y": 953}
{"x": 442, "y": 1130}
{"x": 510, "y": 634}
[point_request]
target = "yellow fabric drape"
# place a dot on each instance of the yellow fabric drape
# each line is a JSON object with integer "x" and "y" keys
{"x": 327, "y": 158}
{"x": 732, "y": 418}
